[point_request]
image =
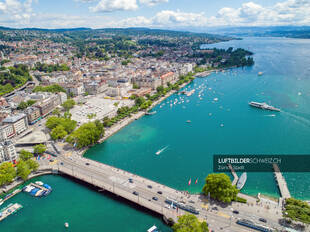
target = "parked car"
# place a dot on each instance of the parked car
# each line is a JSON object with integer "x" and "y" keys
{"x": 160, "y": 192}
{"x": 135, "y": 193}
{"x": 87, "y": 164}
{"x": 214, "y": 208}
{"x": 236, "y": 212}
{"x": 149, "y": 186}
{"x": 155, "y": 198}
{"x": 262, "y": 220}
{"x": 130, "y": 180}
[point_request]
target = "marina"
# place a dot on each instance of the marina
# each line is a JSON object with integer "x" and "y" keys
{"x": 9, "y": 210}
{"x": 10, "y": 195}
{"x": 38, "y": 189}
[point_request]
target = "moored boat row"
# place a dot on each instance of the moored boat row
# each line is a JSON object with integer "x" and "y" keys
{"x": 38, "y": 189}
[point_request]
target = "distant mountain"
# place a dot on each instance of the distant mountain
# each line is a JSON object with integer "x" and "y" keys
{"x": 272, "y": 31}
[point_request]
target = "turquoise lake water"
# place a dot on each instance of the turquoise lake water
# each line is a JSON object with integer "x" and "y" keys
{"x": 285, "y": 84}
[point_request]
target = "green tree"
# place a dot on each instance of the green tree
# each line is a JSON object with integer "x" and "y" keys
{"x": 135, "y": 86}
{"x": 69, "y": 104}
{"x": 56, "y": 112}
{"x": 160, "y": 89}
{"x": 23, "y": 105}
{"x": 68, "y": 124}
{"x": 52, "y": 122}
{"x": 297, "y": 210}
{"x": 39, "y": 149}
{"x": 189, "y": 223}
{"x": 32, "y": 164}
{"x": 25, "y": 155}
{"x": 23, "y": 170}
{"x": 7, "y": 173}
{"x": 87, "y": 134}
{"x": 58, "y": 132}
{"x": 139, "y": 101}
{"x": 220, "y": 188}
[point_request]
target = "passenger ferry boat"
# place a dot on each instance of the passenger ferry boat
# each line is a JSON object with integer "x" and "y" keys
{"x": 263, "y": 106}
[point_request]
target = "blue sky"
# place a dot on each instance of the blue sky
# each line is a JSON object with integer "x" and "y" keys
{"x": 153, "y": 13}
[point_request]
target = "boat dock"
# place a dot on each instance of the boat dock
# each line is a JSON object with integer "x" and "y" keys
{"x": 285, "y": 193}
{"x": 12, "y": 194}
{"x": 234, "y": 174}
{"x": 39, "y": 186}
{"x": 9, "y": 210}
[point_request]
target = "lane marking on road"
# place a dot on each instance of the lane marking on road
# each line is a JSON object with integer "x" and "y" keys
{"x": 53, "y": 163}
{"x": 223, "y": 215}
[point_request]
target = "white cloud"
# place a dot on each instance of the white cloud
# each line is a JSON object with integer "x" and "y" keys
{"x": 14, "y": 10}
{"x": 19, "y": 13}
{"x": 290, "y": 12}
{"x": 152, "y": 2}
{"x": 114, "y": 5}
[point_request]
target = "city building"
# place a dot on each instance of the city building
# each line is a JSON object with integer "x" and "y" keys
{"x": 7, "y": 152}
{"x": 168, "y": 77}
{"x": 147, "y": 82}
{"x": 33, "y": 114}
{"x": 6, "y": 131}
{"x": 19, "y": 122}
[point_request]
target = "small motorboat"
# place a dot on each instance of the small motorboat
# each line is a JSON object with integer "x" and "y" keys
{"x": 39, "y": 183}
{"x": 153, "y": 229}
{"x": 66, "y": 224}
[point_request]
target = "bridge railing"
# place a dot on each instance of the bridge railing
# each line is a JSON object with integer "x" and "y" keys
{"x": 118, "y": 189}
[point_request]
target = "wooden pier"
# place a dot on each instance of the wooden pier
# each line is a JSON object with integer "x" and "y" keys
{"x": 285, "y": 193}
{"x": 9, "y": 210}
{"x": 235, "y": 180}
{"x": 39, "y": 186}
{"x": 13, "y": 194}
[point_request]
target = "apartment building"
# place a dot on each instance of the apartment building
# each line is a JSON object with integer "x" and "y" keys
{"x": 7, "y": 152}
{"x": 19, "y": 122}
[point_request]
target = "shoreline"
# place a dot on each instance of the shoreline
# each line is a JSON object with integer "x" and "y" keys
{"x": 115, "y": 128}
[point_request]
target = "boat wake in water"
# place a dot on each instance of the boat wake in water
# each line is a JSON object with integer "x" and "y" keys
{"x": 161, "y": 150}
{"x": 298, "y": 118}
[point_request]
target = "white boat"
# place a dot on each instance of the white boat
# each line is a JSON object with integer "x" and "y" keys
{"x": 66, "y": 224}
{"x": 241, "y": 181}
{"x": 39, "y": 183}
{"x": 1, "y": 201}
{"x": 28, "y": 188}
{"x": 260, "y": 73}
{"x": 161, "y": 150}
{"x": 153, "y": 229}
{"x": 39, "y": 193}
{"x": 151, "y": 113}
